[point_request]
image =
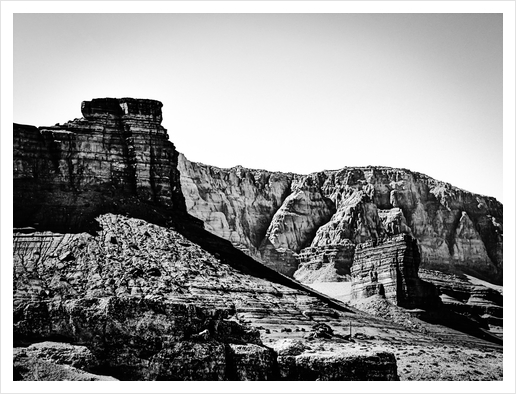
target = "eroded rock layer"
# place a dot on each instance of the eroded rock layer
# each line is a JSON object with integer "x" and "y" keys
{"x": 458, "y": 231}
{"x": 149, "y": 304}
{"x": 327, "y": 263}
{"x": 117, "y": 154}
{"x": 458, "y": 293}
{"x": 390, "y": 268}
{"x": 236, "y": 204}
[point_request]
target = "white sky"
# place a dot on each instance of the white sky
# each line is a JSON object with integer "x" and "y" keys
{"x": 285, "y": 92}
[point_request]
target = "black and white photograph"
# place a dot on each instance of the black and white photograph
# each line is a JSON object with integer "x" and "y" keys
{"x": 258, "y": 196}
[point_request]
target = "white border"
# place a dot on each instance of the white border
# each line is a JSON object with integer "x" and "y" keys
{"x": 8, "y": 8}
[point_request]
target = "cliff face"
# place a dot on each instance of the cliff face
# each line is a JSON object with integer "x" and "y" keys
{"x": 117, "y": 154}
{"x": 236, "y": 204}
{"x": 457, "y": 231}
{"x": 390, "y": 268}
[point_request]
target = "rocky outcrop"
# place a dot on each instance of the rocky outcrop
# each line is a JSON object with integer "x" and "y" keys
{"x": 481, "y": 300}
{"x": 118, "y": 154}
{"x": 457, "y": 231}
{"x": 151, "y": 304}
{"x": 140, "y": 339}
{"x": 301, "y": 213}
{"x": 148, "y": 303}
{"x": 390, "y": 268}
{"x": 332, "y": 366}
{"x": 55, "y": 361}
{"x": 251, "y": 362}
{"x": 236, "y": 204}
{"x": 327, "y": 263}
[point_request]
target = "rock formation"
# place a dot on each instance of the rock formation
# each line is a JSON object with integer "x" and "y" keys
{"x": 152, "y": 305}
{"x": 113, "y": 279}
{"x": 118, "y": 153}
{"x": 108, "y": 264}
{"x": 390, "y": 268}
{"x": 483, "y": 301}
{"x": 236, "y": 204}
{"x": 458, "y": 231}
{"x": 327, "y": 263}
{"x": 55, "y": 361}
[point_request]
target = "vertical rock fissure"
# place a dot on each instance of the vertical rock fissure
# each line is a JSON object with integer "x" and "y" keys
{"x": 130, "y": 155}
{"x": 152, "y": 172}
{"x": 450, "y": 236}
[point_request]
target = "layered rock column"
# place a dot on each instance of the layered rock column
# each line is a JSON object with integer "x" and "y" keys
{"x": 65, "y": 174}
{"x": 390, "y": 268}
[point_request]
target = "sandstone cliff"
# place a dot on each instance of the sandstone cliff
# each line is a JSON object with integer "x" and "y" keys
{"x": 457, "y": 231}
{"x": 117, "y": 154}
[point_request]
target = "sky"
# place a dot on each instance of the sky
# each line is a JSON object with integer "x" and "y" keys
{"x": 285, "y": 92}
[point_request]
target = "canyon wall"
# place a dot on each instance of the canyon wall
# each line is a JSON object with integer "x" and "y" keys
{"x": 236, "y": 204}
{"x": 308, "y": 215}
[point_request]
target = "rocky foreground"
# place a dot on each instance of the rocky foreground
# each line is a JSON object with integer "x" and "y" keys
{"x": 143, "y": 302}
{"x": 113, "y": 279}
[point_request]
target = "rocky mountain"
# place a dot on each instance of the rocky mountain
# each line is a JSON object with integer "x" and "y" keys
{"x": 114, "y": 279}
{"x": 307, "y": 226}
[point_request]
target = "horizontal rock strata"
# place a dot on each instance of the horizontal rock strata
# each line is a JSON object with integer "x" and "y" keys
{"x": 457, "y": 231}
{"x": 462, "y": 296}
{"x": 390, "y": 268}
{"x": 151, "y": 305}
{"x": 108, "y": 264}
{"x": 117, "y": 154}
{"x": 328, "y": 263}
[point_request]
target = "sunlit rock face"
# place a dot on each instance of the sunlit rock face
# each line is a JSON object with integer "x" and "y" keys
{"x": 328, "y": 263}
{"x": 457, "y": 231}
{"x": 302, "y": 212}
{"x": 65, "y": 174}
{"x": 236, "y": 204}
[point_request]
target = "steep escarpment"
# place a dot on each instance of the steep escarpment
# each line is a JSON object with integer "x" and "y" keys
{"x": 116, "y": 156}
{"x": 236, "y": 204}
{"x": 457, "y": 231}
